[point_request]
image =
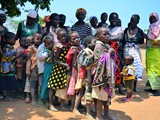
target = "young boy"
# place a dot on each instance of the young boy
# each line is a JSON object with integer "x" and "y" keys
{"x": 128, "y": 74}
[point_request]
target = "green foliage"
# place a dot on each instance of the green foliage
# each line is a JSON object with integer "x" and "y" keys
{"x": 12, "y": 7}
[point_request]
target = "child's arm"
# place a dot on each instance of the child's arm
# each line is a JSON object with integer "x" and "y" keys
{"x": 28, "y": 68}
{"x": 59, "y": 62}
{"x": 41, "y": 55}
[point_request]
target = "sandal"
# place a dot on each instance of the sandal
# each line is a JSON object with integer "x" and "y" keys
{"x": 126, "y": 99}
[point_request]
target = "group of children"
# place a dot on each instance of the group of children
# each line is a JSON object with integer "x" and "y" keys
{"x": 50, "y": 66}
{"x": 45, "y": 70}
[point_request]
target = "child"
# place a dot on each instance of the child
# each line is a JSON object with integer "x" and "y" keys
{"x": 20, "y": 66}
{"x": 71, "y": 57}
{"x": 58, "y": 77}
{"x": 37, "y": 41}
{"x": 128, "y": 74}
{"x": 88, "y": 64}
{"x": 8, "y": 81}
{"x": 32, "y": 69}
{"x": 48, "y": 65}
{"x": 102, "y": 54}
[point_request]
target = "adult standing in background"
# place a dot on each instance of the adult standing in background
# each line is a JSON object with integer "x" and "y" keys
{"x": 153, "y": 53}
{"x": 29, "y": 26}
{"x": 93, "y": 21}
{"x": 116, "y": 35}
{"x": 104, "y": 17}
{"x": 54, "y": 26}
{"x": 80, "y": 26}
{"x": 62, "y": 22}
{"x": 133, "y": 37}
{"x": 3, "y": 30}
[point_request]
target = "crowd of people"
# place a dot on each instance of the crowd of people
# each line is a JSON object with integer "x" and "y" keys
{"x": 57, "y": 62}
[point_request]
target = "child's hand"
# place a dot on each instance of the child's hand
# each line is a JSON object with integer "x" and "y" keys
{"x": 111, "y": 52}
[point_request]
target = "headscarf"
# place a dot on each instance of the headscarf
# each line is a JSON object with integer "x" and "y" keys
{"x": 92, "y": 18}
{"x": 46, "y": 18}
{"x": 81, "y": 10}
{"x": 154, "y": 28}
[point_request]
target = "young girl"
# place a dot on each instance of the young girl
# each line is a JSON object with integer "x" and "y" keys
{"x": 128, "y": 74}
{"x": 71, "y": 57}
{"x": 48, "y": 65}
{"x": 8, "y": 81}
{"x": 58, "y": 77}
{"x": 101, "y": 73}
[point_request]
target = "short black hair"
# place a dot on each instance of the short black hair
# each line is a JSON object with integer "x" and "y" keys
{"x": 88, "y": 39}
{"x": 9, "y": 35}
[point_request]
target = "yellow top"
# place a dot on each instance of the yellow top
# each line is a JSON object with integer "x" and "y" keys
{"x": 125, "y": 72}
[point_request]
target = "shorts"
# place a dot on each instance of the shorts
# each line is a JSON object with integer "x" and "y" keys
{"x": 129, "y": 85}
{"x": 34, "y": 84}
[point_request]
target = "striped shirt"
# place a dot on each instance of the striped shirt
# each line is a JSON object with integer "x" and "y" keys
{"x": 83, "y": 30}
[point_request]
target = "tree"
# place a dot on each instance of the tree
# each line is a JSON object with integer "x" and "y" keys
{"x": 12, "y": 7}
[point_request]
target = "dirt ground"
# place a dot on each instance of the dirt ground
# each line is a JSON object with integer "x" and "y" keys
{"x": 142, "y": 107}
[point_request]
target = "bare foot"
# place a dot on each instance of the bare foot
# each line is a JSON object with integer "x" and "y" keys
{"x": 51, "y": 107}
{"x": 76, "y": 112}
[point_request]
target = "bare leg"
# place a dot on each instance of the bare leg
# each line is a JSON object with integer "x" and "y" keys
{"x": 34, "y": 103}
{"x": 99, "y": 110}
{"x": 51, "y": 94}
{"x": 72, "y": 102}
{"x": 106, "y": 112}
{"x": 77, "y": 101}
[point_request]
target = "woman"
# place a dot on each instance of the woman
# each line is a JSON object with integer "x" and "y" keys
{"x": 116, "y": 35}
{"x": 3, "y": 30}
{"x": 80, "y": 26}
{"x": 133, "y": 37}
{"x": 29, "y": 26}
{"x": 153, "y": 49}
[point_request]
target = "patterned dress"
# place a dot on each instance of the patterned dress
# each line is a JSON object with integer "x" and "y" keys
{"x": 58, "y": 77}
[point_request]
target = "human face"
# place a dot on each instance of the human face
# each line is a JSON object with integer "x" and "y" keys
{"x": 133, "y": 22}
{"x": 49, "y": 45}
{"x": 75, "y": 40}
{"x": 92, "y": 44}
{"x": 113, "y": 20}
{"x": 104, "y": 18}
{"x": 37, "y": 39}
{"x": 62, "y": 36}
{"x": 3, "y": 18}
{"x": 152, "y": 19}
{"x": 30, "y": 21}
{"x": 29, "y": 42}
{"x": 94, "y": 22}
{"x": 103, "y": 35}
{"x": 12, "y": 41}
{"x": 62, "y": 20}
{"x": 55, "y": 21}
{"x": 81, "y": 16}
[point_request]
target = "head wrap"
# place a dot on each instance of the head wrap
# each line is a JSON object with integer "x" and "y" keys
{"x": 92, "y": 17}
{"x": 155, "y": 15}
{"x": 2, "y": 12}
{"x": 46, "y": 18}
{"x": 154, "y": 28}
{"x": 32, "y": 13}
{"x": 81, "y": 10}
